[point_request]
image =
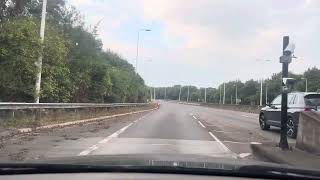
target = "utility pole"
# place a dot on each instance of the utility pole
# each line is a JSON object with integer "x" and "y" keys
{"x": 180, "y": 93}
{"x": 188, "y": 94}
{"x": 205, "y": 95}
{"x": 261, "y": 92}
{"x": 224, "y": 93}
{"x": 39, "y": 62}
{"x": 154, "y": 93}
{"x": 150, "y": 94}
{"x": 285, "y": 59}
{"x": 231, "y": 99}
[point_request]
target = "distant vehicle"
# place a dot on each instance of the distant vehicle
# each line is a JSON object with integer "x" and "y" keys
{"x": 297, "y": 102}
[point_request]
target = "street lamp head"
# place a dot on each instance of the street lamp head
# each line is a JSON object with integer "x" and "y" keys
{"x": 145, "y": 29}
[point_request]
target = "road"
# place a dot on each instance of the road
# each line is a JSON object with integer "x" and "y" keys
{"x": 172, "y": 129}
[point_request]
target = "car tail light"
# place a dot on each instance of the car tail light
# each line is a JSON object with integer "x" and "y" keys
{"x": 307, "y": 109}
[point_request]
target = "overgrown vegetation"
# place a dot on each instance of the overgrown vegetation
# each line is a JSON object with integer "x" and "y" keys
{"x": 75, "y": 67}
{"x": 248, "y": 92}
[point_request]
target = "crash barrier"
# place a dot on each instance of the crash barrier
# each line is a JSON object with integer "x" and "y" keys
{"x": 308, "y": 137}
{"x": 234, "y": 107}
{"x": 38, "y": 114}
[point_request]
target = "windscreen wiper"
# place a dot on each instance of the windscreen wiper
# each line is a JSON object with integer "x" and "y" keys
{"x": 244, "y": 171}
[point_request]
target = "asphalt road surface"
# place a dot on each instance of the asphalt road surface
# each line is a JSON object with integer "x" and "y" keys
{"x": 173, "y": 129}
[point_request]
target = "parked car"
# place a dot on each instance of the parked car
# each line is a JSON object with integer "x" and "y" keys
{"x": 297, "y": 102}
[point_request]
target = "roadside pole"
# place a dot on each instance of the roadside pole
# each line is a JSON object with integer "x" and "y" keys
{"x": 39, "y": 62}
{"x": 220, "y": 95}
{"x": 266, "y": 93}
{"x": 188, "y": 94}
{"x": 150, "y": 94}
{"x": 261, "y": 92}
{"x": 180, "y": 93}
{"x": 224, "y": 93}
{"x": 154, "y": 93}
{"x": 205, "y": 95}
{"x": 165, "y": 93}
{"x": 285, "y": 59}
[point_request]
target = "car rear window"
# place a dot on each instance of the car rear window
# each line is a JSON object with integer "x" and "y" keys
{"x": 312, "y": 99}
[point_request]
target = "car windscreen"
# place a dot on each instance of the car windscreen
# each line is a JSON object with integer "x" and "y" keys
{"x": 312, "y": 100}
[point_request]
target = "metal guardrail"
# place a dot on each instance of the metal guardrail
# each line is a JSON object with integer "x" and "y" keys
{"x": 64, "y": 105}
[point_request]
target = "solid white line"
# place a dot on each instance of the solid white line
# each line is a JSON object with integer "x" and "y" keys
{"x": 221, "y": 144}
{"x": 201, "y": 124}
{"x": 95, "y": 147}
{"x": 194, "y": 117}
{"x": 243, "y": 155}
{"x": 236, "y": 142}
{"x": 245, "y": 115}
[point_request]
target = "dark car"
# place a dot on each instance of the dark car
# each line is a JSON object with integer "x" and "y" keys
{"x": 297, "y": 102}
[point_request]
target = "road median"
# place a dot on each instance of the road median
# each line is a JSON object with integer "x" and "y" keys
{"x": 294, "y": 157}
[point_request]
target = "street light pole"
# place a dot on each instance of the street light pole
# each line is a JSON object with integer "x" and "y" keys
{"x": 39, "y": 62}
{"x": 306, "y": 82}
{"x": 188, "y": 95}
{"x": 137, "y": 51}
{"x": 205, "y": 95}
{"x": 180, "y": 93}
{"x": 236, "y": 95}
{"x": 224, "y": 93}
{"x": 165, "y": 93}
{"x": 261, "y": 92}
{"x": 220, "y": 95}
{"x": 266, "y": 93}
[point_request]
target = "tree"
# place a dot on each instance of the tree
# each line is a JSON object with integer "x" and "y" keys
{"x": 19, "y": 49}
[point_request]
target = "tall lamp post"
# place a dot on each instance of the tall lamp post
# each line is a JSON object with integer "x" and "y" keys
{"x": 306, "y": 84}
{"x": 236, "y": 93}
{"x": 261, "y": 85}
{"x": 137, "y": 53}
{"x": 39, "y": 62}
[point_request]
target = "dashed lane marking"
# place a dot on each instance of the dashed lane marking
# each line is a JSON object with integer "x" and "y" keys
{"x": 245, "y": 116}
{"x": 95, "y": 147}
{"x": 201, "y": 124}
{"x": 105, "y": 140}
{"x": 194, "y": 117}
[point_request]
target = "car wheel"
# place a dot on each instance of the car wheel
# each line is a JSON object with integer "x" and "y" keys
{"x": 291, "y": 128}
{"x": 262, "y": 122}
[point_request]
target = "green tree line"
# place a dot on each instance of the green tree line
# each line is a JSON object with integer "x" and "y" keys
{"x": 248, "y": 92}
{"x": 75, "y": 67}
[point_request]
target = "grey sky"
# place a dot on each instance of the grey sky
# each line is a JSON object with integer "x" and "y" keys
{"x": 206, "y": 42}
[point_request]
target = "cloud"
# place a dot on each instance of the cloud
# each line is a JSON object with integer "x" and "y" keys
{"x": 221, "y": 39}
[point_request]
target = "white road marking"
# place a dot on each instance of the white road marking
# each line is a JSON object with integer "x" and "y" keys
{"x": 221, "y": 144}
{"x": 194, "y": 117}
{"x": 161, "y": 144}
{"x": 201, "y": 124}
{"x": 95, "y": 147}
{"x": 255, "y": 143}
{"x": 245, "y": 115}
{"x": 225, "y": 131}
{"x": 235, "y": 142}
{"x": 243, "y": 155}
